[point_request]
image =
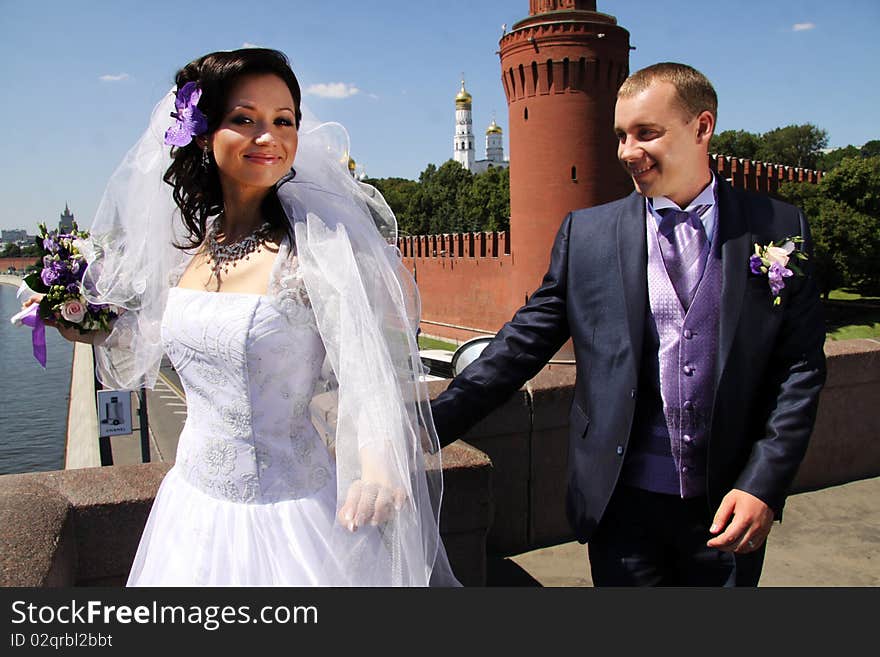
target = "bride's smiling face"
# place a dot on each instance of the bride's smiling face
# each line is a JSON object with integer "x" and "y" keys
{"x": 256, "y": 140}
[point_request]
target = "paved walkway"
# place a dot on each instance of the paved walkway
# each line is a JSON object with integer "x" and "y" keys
{"x": 166, "y": 410}
{"x": 829, "y": 537}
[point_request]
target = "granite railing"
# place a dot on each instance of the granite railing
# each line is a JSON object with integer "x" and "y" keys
{"x": 81, "y": 527}
{"x": 504, "y": 483}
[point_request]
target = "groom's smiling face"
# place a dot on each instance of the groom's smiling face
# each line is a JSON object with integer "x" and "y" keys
{"x": 663, "y": 150}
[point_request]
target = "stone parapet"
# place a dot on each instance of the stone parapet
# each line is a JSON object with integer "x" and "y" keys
{"x": 504, "y": 488}
{"x": 845, "y": 445}
{"x": 74, "y": 527}
{"x": 82, "y": 527}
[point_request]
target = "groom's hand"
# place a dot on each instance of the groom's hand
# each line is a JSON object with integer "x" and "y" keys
{"x": 748, "y": 527}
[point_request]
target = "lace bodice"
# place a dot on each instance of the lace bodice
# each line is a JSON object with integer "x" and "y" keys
{"x": 249, "y": 364}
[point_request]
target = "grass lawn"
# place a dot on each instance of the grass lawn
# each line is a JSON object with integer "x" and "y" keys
{"x": 843, "y": 295}
{"x": 849, "y": 316}
{"x": 431, "y": 343}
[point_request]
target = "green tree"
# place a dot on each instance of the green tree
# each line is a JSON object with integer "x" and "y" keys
{"x": 844, "y": 213}
{"x": 871, "y": 148}
{"x": 448, "y": 199}
{"x": 736, "y": 143}
{"x": 397, "y": 193}
{"x": 794, "y": 145}
{"x": 857, "y": 184}
{"x": 830, "y": 160}
{"x": 11, "y": 250}
{"x": 828, "y": 258}
{"x": 486, "y": 203}
{"x": 443, "y": 188}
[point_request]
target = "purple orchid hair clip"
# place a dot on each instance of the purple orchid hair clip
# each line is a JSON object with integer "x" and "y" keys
{"x": 191, "y": 122}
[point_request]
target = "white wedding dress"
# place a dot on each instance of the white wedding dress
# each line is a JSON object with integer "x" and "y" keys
{"x": 251, "y": 498}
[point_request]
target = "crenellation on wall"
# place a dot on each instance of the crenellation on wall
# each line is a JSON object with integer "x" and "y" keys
{"x": 564, "y": 75}
{"x": 757, "y": 176}
{"x": 488, "y": 244}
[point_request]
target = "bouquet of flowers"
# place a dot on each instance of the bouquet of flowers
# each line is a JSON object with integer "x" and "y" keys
{"x": 60, "y": 283}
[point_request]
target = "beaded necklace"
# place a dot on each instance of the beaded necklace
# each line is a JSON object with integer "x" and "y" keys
{"x": 223, "y": 255}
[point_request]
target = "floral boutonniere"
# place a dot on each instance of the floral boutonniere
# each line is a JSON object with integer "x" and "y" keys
{"x": 776, "y": 261}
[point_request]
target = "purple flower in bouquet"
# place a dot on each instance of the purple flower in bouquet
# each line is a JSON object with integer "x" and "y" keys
{"x": 52, "y": 273}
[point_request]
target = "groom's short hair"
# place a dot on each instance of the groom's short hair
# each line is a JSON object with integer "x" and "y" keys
{"x": 695, "y": 93}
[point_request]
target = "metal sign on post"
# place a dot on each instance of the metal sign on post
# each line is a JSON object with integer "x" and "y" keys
{"x": 114, "y": 412}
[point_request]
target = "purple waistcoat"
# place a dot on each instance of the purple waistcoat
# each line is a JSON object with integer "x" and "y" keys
{"x": 670, "y": 434}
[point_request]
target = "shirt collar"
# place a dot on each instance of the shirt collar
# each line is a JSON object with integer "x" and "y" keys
{"x": 705, "y": 198}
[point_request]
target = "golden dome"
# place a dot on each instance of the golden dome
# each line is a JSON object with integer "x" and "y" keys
{"x": 463, "y": 97}
{"x": 351, "y": 164}
{"x": 494, "y": 129}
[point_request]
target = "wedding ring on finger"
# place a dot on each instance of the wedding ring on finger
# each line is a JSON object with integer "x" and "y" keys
{"x": 750, "y": 543}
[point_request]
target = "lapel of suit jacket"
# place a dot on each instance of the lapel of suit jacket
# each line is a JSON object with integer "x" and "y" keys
{"x": 736, "y": 242}
{"x": 632, "y": 258}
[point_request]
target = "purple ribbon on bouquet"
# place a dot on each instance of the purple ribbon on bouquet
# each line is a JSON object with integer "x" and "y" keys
{"x": 32, "y": 318}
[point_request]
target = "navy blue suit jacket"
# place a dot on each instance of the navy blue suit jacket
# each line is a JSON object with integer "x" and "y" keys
{"x": 770, "y": 362}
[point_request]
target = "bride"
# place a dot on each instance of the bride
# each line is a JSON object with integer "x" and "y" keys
{"x": 249, "y": 255}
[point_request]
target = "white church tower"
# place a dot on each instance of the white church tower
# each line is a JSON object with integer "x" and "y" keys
{"x": 463, "y": 146}
{"x": 494, "y": 143}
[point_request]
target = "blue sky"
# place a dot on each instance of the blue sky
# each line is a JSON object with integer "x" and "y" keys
{"x": 80, "y": 76}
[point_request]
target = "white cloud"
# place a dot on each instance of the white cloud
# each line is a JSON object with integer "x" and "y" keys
{"x": 114, "y": 78}
{"x": 332, "y": 90}
{"x": 248, "y": 44}
{"x": 800, "y": 27}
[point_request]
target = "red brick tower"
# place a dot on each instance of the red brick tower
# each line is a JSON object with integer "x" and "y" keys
{"x": 561, "y": 68}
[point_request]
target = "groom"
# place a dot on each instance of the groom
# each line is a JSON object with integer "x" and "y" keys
{"x": 697, "y": 385}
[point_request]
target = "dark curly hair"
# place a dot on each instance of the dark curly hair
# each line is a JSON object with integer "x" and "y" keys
{"x": 197, "y": 191}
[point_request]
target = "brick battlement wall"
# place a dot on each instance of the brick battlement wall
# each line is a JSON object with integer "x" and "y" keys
{"x": 461, "y": 279}
{"x": 20, "y": 264}
{"x": 466, "y": 280}
{"x": 456, "y": 245}
{"x": 744, "y": 174}
{"x": 460, "y": 276}
{"x": 760, "y": 176}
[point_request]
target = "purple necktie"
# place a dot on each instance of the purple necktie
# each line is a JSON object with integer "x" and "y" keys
{"x": 684, "y": 246}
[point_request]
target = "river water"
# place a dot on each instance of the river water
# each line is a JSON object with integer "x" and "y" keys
{"x": 33, "y": 401}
